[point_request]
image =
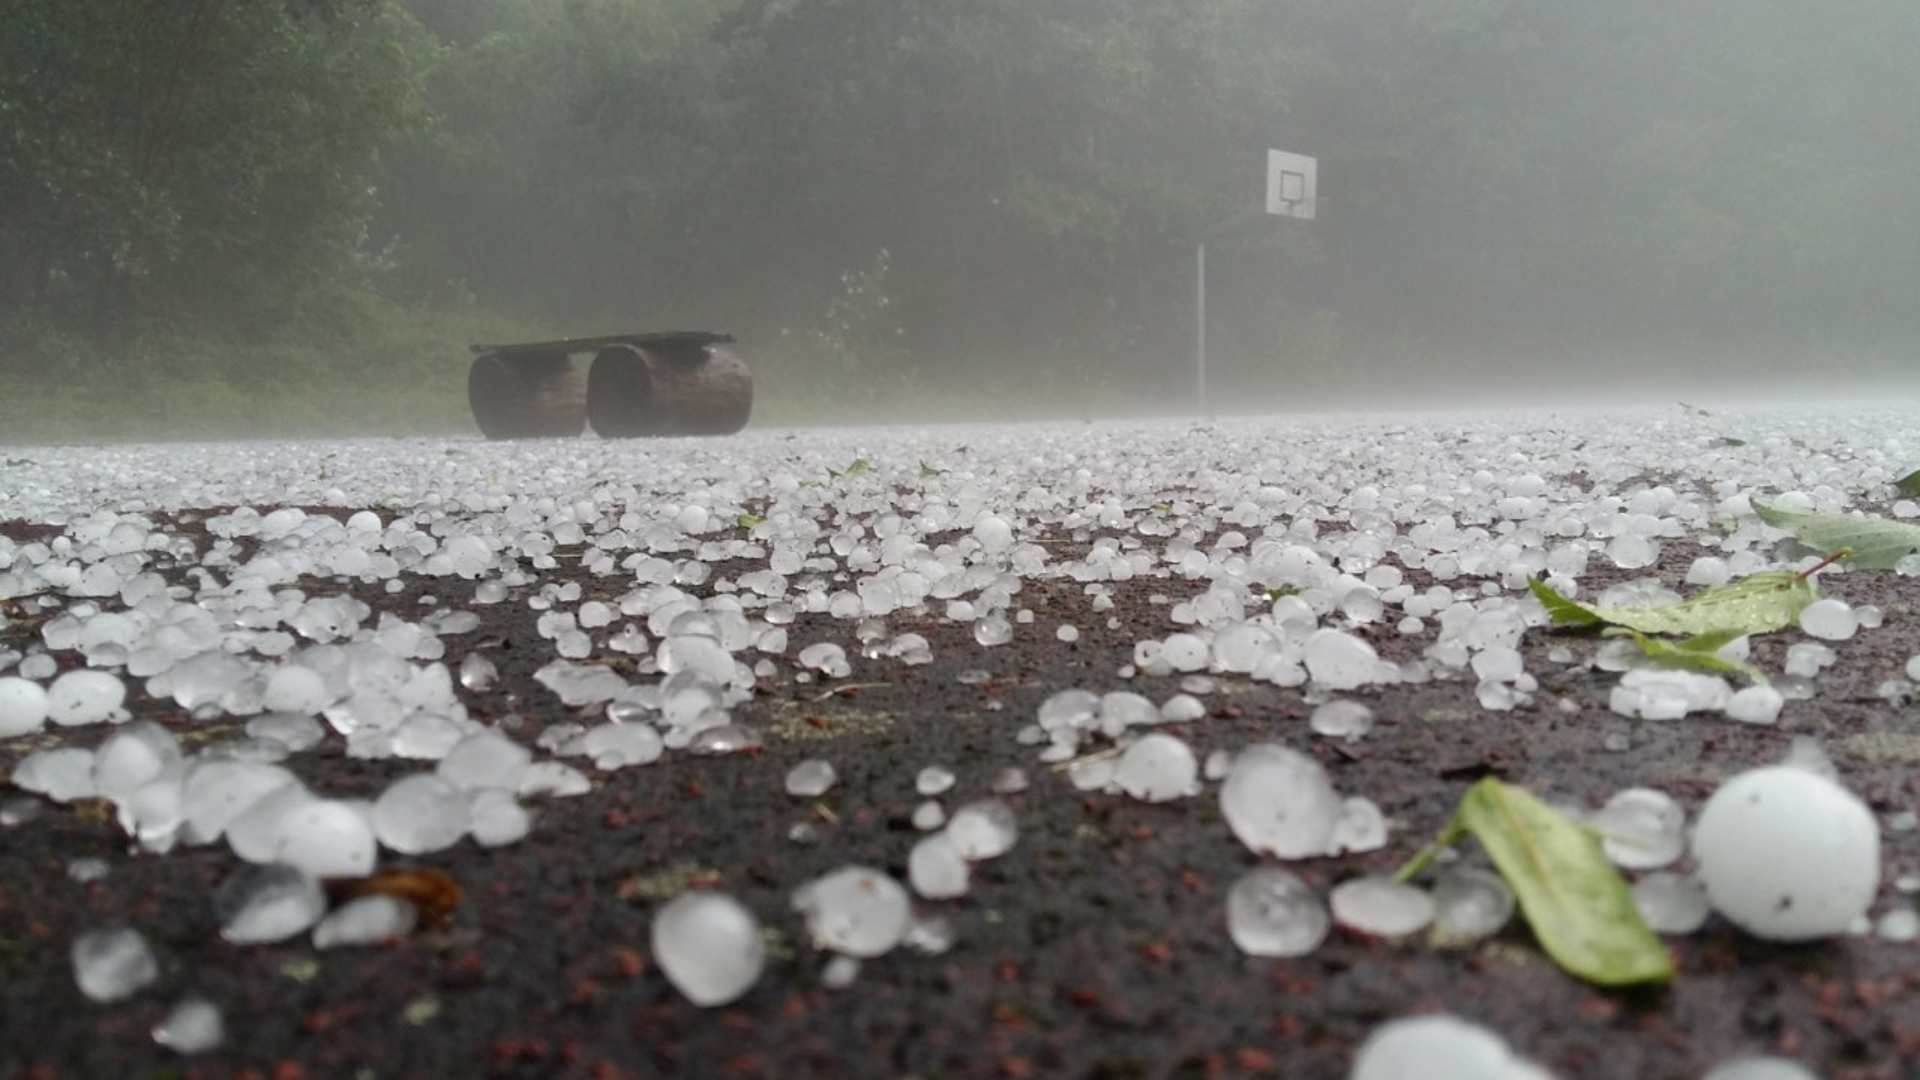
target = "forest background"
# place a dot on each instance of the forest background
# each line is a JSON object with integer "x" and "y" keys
{"x": 267, "y": 217}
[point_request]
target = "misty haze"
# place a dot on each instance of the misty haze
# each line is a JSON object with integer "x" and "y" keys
{"x": 295, "y": 216}
{"x": 959, "y": 539}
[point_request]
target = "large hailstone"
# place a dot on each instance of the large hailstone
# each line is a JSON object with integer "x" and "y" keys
{"x": 1439, "y": 1047}
{"x": 1787, "y": 854}
{"x": 710, "y": 947}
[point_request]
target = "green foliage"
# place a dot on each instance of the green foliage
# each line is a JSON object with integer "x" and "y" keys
{"x": 1871, "y": 543}
{"x": 1755, "y": 604}
{"x": 191, "y": 163}
{"x": 1909, "y": 484}
{"x": 1573, "y": 898}
{"x": 1701, "y": 652}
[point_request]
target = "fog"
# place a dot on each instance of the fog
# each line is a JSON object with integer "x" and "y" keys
{"x": 908, "y": 209}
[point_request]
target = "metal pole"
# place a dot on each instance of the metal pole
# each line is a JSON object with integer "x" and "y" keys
{"x": 1200, "y": 327}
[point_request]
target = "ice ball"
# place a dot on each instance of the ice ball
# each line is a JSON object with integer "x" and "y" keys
{"x": 709, "y": 946}
{"x": 1787, "y": 854}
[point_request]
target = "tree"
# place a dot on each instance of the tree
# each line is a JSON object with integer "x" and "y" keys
{"x": 192, "y": 160}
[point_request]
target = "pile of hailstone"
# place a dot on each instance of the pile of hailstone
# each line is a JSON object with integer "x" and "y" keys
{"x": 1285, "y": 547}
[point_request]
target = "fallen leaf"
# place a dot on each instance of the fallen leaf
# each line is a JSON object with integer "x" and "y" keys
{"x": 1753, "y": 605}
{"x": 1871, "y": 543}
{"x": 1572, "y": 897}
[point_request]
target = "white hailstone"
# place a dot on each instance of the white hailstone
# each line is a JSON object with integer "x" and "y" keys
{"x": 1181, "y": 708}
{"x": 1274, "y": 912}
{"x": 1913, "y": 667}
{"x": 1470, "y": 905}
{"x": 84, "y": 696}
{"x": 1381, "y": 906}
{"x": 132, "y": 756}
{"x": 1758, "y": 1067}
{"x": 1184, "y": 652}
{"x": 709, "y": 946}
{"x": 1121, "y": 709}
{"x": 1830, "y": 619}
{"x": 616, "y": 746}
{"x": 854, "y": 910}
{"x": 1808, "y": 658}
{"x": 485, "y": 759}
{"x": 420, "y": 814}
{"x": 1787, "y": 854}
{"x": 1671, "y": 903}
{"x": 1708, "y": 570}
{"x": 291, "y": 730}
{"x": 327, "y": 838}
{"x": 827, "y": 658}
{"x": 725, "y": 739}
{"x": 113, "y": 965}
{"x": 839, "y": 972}
{"x": 553, "y": 778}
{"x": 1438, "y": 1047}
{"x": 1342, "y": 718}
{"x": 478, "y": 673}
{"x": 1008, "y": 780}
{"x": 1900, "y": 924}
{"x": 496, "y": 818}
{"x": 23, "y": 706}
{"x": 295, "y": 688}
{"x": 1657, "y": 694}
{"x": 1337, "y": 660}
{"x": 994, "y": 534}
{"x": 983, "y": 830}
{"x": 811, "y": 778}
{"x": 263, "y": 904}
{"x": 1756, "y": 705}
{"x": 1279, "y": 801}
{"x": 1361, "y": 827}
{"x": 929, "y": 815}
{"x": 1158, "y": 768}
{"x": 1641, "y": 829}
{"x": 934, "y": 779}
{"x": 193, "y": 1026}
{"x": 992, "y": 629}
{"x": 1239, "y": 648}
{"x": 1633, "y": 552}
{"x": 936, "y": 869}
{"x": 365, "y": 920}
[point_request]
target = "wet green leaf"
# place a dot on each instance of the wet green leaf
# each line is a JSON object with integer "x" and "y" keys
{"x": 1572, "y": 897}
{"x": 748, "y": 521}
{"x": 856, "y": 467}
{"x": 1909, "y": 484}
{"x": 1872, "y": 543}
{"x": 1753, "y": 605}
{"x": 1700, "y": 652}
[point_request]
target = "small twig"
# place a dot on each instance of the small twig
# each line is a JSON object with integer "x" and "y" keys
{"x": 848, "y": 688}
{"x": 1088, "y": 759}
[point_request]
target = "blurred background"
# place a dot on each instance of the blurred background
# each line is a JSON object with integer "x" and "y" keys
{"x": 290, "y": 216}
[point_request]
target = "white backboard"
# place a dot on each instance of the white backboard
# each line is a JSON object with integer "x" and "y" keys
{"x": 1291, "y": 184}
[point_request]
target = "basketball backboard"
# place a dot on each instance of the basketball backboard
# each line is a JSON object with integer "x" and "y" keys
{"x": 1291, "y": 184}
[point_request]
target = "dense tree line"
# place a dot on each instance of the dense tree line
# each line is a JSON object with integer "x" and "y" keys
{"x": 879, "y": 187}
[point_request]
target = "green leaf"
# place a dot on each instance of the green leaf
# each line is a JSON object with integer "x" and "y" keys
{"x": 856, "y": 467}
{"x": 1872, "y": 543}
{"x": 1909, "y": 484}
{"x": 928, "y": 470}
{"x": 1700, "y": 652}
{"x": 1753, "y": 605}
{"x": 748, "y": 521}
{"x": 1572, "y": 897}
